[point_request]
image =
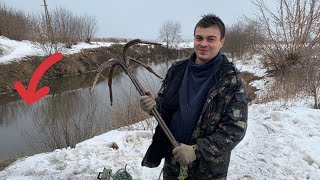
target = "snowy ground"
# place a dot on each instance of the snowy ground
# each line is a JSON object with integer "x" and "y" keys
{"x": 14, "y": 50}
{"x": 280, "y": 143}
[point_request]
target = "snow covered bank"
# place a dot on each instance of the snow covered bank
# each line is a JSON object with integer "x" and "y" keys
{"x": 279, "y": 144}
{"x": 15, "y": 50}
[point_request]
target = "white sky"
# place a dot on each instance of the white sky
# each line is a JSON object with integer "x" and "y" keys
{"x": 142, "y": 18}
{"x": 280, "y": 143}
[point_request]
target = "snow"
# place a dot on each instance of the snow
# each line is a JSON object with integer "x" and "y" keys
{"x": 88, "y": 158}
{"x": 15, "y": 50}
{"x": 280, "y": 143}
{"x": 252, "y": 65}
{"x": 182, "y": 45}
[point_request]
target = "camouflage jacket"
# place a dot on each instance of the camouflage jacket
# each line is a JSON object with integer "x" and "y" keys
{"x": 221, "y": 126}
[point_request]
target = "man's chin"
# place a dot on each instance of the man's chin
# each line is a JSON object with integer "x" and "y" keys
{"x": 204, "y": 58}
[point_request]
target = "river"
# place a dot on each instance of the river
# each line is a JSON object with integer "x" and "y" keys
{"x": 70, "y": 114}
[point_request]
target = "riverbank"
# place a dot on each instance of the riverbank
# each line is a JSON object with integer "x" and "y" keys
{"x": 6, "y": 163}
{"x": 86, "y": 61}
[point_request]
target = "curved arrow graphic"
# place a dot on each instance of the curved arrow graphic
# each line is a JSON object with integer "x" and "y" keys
{"x": 31, "y": 94}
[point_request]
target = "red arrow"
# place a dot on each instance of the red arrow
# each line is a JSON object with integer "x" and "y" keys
{"x": 31, "y": 94}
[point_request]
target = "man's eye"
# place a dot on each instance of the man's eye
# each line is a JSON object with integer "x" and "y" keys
{"x": 211, "y": 39}
{"x": 199, "y": 38}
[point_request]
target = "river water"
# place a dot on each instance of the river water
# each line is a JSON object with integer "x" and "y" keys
{"x": 70, "y": 114}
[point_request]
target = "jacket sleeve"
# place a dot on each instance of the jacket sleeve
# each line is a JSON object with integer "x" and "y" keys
{"x": 233, "y": 124}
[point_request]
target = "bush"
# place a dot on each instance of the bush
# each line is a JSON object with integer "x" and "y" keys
{"x": 290, "y": 48}
{"x": 241, "y": 38}
{"x": 14, "y": 24}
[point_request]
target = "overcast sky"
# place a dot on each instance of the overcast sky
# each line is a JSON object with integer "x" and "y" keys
{"x": 142, "y": 18}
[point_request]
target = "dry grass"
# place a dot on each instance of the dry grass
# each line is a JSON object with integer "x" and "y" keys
{"x": 248, "y": 78}
{"x": 6, "y": 163}
{"x": 127, "y": 110}
{"x": 286, "y": 88}
{"x": 295, "y": 77}
{"x": 112, "y": 40}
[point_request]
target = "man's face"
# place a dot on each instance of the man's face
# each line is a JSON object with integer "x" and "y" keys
{"x": 207, "y": 43}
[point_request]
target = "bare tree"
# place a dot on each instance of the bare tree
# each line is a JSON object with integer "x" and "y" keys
{"x": 70, "y": 29}
{"x": 42, "y": 32}
{"x": 61, "y": 26}
{"x": 65, "y": 25}
{"x": 311, "y": 80}
{"x": 89, "y": 27}
{"x": 292, "y": 31}
{"x": 170, "y": 33}
{"x": 241, "y": 38}
{"x": 38, "y": 33}
{"x": 13, "y": 24}
{"x": 292, "y": 38}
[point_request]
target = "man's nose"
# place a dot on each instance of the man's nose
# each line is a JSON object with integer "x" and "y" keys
{"x": 204, "y": 42}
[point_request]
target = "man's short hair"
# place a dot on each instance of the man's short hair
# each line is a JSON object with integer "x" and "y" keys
{"x": 211, "y": 20}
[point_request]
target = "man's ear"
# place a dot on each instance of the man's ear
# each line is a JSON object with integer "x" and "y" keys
{"x": 222, "y": 42}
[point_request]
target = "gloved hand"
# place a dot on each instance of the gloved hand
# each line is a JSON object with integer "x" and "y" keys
{"x": 147, "y": 102}
{"x": 184, "y": 154}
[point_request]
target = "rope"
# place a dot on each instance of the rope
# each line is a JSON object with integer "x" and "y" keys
{"x": 183, "y": 172}
{"x": 122, "y": 174}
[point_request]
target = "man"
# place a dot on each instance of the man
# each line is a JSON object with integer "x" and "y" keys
{"x": 204, "y": 102}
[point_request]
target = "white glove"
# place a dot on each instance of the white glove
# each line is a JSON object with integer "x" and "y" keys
{"x": 147, "y": 102}
{"x": 184, "y": 154}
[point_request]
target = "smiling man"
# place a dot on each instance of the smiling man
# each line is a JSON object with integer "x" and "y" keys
{"x": 204, "y": 102}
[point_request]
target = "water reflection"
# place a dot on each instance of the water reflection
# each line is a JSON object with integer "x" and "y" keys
{"x": 66, "y": 119}
{"x": 71, "y": 113}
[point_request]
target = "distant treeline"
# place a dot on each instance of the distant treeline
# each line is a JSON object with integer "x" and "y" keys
{"x": 58, "y": 26}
